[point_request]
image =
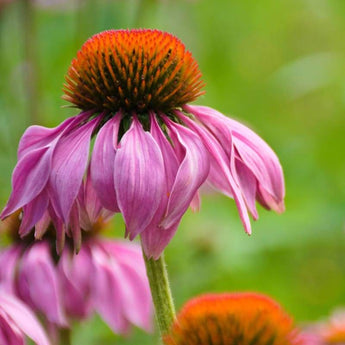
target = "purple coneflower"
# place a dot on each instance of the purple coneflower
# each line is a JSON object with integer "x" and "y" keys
{"x": 152, "y": 150}
{"x": 107, "y": 276}
{"x": 233, "y": 318}
{"x": 17, "y": 322}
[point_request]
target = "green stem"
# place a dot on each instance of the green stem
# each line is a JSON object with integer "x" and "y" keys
{"x": 65, "y": 336}
{"x": 161, "y": 294}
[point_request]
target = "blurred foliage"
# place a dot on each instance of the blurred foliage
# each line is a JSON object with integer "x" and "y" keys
{"x": 278, "y": 66}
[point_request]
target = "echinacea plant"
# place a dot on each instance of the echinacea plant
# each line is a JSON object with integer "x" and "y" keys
{"x": 107, "y": 276}
{"x": 17, "y": 322}
{"x": 152, "y": 151}
{"x": 232, "y": 318}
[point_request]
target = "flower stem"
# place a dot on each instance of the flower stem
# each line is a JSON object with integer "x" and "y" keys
{"x": 161, "y": 293}
{"x": 65, "y": 336}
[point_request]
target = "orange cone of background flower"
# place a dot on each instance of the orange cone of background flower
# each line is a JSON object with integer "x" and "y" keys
{"x": 229, "y": 319}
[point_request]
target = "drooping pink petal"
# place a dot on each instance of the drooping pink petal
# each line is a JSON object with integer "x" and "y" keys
{"x": 92, "y": 204}
{"x": 139, "y": 178}
{"x": 171, "y": 163}
{"x": 22, "y": 318}
{"x": 196, "y": 202}
{"x": 102, "y": 163}
{"x": 154, "y": 239}
{"x": 137, "y": 299}
{"x": 252, "y": 150}
{"x": 8, "y": 263}
{"x": 109, "y": 290}
{"x": 193, "y": 171}
{"x": 10, "y": 334}
{"x": 75, "y": 227}
{"x": 265, "y": 166}
{"x": 29, "y": 178}
{"x": 248, "y": 184}
{"x": 42, "y": 225}
{"x": 220, "y": 163}
{"x": 68, "y": 167}
{"x": 76, "y": 274}
{"x": 38, "y": 284}
{"x": 36, "y": 137}
{"x": 268, "y": 201}
{"x": 33, "y": 212}
{"x": 60, "y": 229}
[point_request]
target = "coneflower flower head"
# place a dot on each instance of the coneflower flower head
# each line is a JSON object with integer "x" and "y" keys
{"x": 152, "y": 150}
{"x": 136, "y": 71}
{"x": 228, "y": 319}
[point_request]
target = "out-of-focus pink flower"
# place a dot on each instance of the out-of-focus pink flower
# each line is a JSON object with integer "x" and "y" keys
{"x": 106, "y": 276}
{"x": 327, "y": 332}
{"x": 152, "y": 150}
{"x": 17, "y": 322}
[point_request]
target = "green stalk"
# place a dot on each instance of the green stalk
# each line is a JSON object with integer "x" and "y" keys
{"x": 65, "y": 336}
{"x": 161, "y": 293}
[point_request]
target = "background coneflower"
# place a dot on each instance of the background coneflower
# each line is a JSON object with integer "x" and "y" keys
{"x": 228, "y": 319}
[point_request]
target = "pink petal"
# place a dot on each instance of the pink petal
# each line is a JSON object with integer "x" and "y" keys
{"x": 137, "y": 299}
{"x": 154, "y": 239}
{"x": 139, "y": 178}
{"x": 248, "y": 187}
{"x": 60, "y": 229}
{"x": 10, "y": 334}
{"x": 252, "y": 150}
{"x": 23, "y": 318}
{"x": 33, "y": 212}
{"x": 220, "y": 163}
{"x": 8, "y": 265}
{"x": 38, "y": 284}
{"x": 76, "y": 274}
{"x": 92, "y": 204}
{"x": 196, "y": 202}
{"x": 75, "y": 227}
{"x": 37, "y": 137}
{"x": 42, "y": 225}
{"x": 102, "y": 162}
{"x": 68, "y": 167}
{"x": 29, "y": 178}
{"x": 109, "y": 291}
{"x": 192, "y": 172}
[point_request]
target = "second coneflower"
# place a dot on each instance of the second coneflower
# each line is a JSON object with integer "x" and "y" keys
{"x": 152, "y": 150}
{"x": 229, "y": 319}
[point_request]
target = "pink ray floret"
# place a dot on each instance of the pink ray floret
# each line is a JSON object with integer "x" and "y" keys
{"x": 17, "y": 322}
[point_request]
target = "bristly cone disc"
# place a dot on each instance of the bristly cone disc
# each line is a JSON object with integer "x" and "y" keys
{"x": 132, "y": 70}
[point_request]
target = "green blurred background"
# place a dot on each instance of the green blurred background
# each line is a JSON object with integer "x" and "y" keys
{"x": 278, "y": 66}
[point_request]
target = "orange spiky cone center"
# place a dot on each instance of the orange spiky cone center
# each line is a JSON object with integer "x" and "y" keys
{"x": 232, "y": 319}
{"x": 132, "y": 70}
